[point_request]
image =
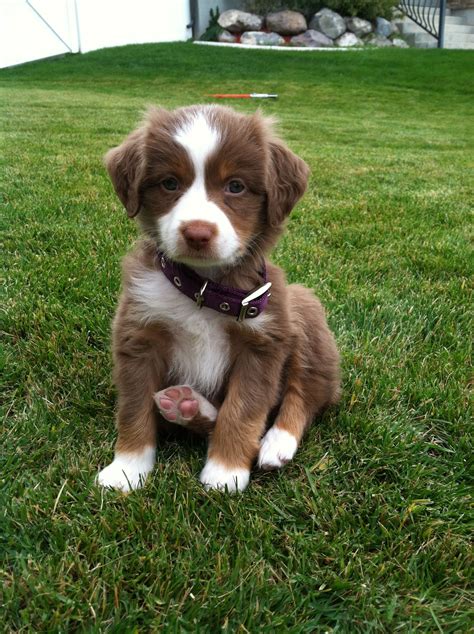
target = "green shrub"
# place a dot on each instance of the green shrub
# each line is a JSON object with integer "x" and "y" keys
{"x": 368, "y": 9}
{"x": 213, "y": 29}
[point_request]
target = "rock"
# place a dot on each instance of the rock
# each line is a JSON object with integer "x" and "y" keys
{"x": 261, "y": 39}
{"x": 311, "y": 38}
{"x": 348, "y": 39}
{"x": 239, "y": 21}
{"x": 358, "y": 26}
{"x": 286, "y": 22}
{"x": 395, "y": 28}
{"x": 399, "y": 43}
{"x": 226, "y": 37}
{"x": 383, "y": 27}
{"x": 328, "y": 22}
{"x": 378, "y": 40}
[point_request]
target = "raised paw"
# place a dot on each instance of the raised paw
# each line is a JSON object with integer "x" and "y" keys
{"x": 181, "y": 404}
{"x": 276, "y": 449}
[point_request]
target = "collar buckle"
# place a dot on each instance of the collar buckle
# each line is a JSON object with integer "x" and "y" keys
{"x": 200, "y": 296}
{"x": 252, "y": 311}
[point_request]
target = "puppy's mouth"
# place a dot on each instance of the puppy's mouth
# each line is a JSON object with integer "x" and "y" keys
{"x": 200, "y": 259}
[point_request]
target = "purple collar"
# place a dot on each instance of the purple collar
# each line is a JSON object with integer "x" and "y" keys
{"x": 223, "y": 299}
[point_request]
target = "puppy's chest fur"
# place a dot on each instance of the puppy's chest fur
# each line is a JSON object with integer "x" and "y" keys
{"x": 200, "y": 351}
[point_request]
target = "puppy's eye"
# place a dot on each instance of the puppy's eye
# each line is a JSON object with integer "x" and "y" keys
{"x": 170, "y": 184}
{"x": 235, "y": 187}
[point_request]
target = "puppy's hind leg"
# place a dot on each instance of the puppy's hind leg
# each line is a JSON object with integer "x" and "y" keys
{"x": 313, "y": 381}
{"x": 281, "y": 441}
{"x": 182, "y": 405}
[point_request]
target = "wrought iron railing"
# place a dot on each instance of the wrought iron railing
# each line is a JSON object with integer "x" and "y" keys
{"x": 429, "y": 14}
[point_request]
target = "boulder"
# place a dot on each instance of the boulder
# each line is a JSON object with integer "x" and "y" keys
{"x": 383, "y": 27}
{"x": 286, "y": 22}
{"x": 240, "y": 21}
{"x": 311, "y": 38}
{"x": 378, "y": 40}
{"x": 348, "y": 39}
{"x": 399, "y": 43}
{"x": 328, "y": 22}
{"x": 226, "y": 37}
{"x": 261, "y": 39}
{"x": 358, "y": 26}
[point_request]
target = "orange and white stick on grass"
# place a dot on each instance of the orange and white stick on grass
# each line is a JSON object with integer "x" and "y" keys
{"x": 250, "y": 95}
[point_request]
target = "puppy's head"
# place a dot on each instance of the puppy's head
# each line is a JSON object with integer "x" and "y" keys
{"x": 207, "y": 183}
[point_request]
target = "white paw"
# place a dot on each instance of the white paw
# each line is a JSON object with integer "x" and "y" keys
{"x": 128, "y": 471}
{"x": 216, "y": 476}
{"x": 276, "y": 449}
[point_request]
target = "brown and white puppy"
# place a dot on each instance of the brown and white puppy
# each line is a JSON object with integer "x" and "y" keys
{"x": 211, "y": 188}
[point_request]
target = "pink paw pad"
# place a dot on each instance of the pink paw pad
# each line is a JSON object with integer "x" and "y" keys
{"x": 176, "y": 404}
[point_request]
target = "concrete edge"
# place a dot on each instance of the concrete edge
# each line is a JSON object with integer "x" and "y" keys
{"x": 327, "y": 49}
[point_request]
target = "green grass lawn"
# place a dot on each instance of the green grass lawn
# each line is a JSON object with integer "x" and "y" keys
{"x": 368, "y": 529}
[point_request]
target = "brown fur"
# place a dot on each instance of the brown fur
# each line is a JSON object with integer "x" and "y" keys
{"x": 293, "y": 363}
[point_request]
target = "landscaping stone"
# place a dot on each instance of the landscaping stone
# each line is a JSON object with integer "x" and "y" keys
{"x": 383, "y": 27}
{"x": 261, "y": 39}
{"x": 328, "y": 22}
{"x": 378, "y": 40}
{"x": 239, "y": 21}
{"x": 226, "y": 37}
{"x": 358, "y": 26}
{"x": 399, "y": 43}
{"x": 311, "y": 38}
{"x": 348, "y": 39}
{"x": 286, "y": 22}
{"x": 326, "y": 29}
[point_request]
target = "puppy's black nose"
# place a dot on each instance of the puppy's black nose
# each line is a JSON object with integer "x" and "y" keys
{"x": 198, "y": 234}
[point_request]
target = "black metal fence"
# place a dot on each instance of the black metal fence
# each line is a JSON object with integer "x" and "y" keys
{"x": 429, "y": 14}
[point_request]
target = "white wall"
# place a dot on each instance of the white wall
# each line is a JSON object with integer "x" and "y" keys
{"x": 25, "y": 36}
{"x": 104, "y": 23}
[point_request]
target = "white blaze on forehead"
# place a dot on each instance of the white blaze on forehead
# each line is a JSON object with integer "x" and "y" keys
{"x": 200, "y": 139}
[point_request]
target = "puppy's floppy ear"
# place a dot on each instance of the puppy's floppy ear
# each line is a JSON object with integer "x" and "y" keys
{"x": 126, "y": 166}
{"x": 286, "y": 182}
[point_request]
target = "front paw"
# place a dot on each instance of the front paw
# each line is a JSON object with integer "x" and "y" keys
{"x": 215, "y": 475}
{"x": 128, "y": 471}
